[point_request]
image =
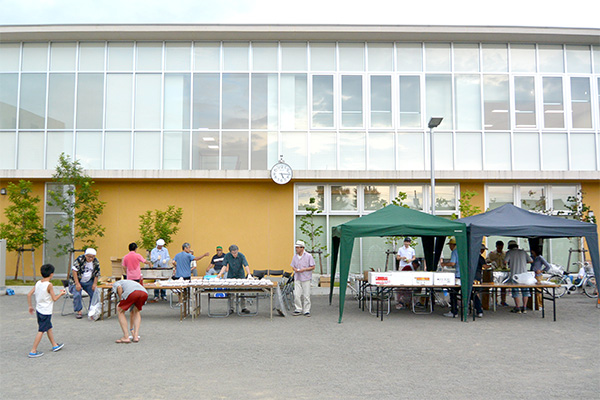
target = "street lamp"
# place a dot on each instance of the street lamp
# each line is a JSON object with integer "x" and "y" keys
{"x": 434, "y": 122}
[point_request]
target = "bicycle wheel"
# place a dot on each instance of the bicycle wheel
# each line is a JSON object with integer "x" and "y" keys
{"x": 564, "y": 283}
{"x": 590, "y": 288}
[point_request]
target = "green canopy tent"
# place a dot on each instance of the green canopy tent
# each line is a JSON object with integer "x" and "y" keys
{"x": 397, "y": 221}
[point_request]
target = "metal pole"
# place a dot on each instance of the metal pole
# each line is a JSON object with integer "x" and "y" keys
{"x": 432, "y": 171}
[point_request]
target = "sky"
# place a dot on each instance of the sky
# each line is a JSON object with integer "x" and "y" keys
{"x": 538, "y": 13}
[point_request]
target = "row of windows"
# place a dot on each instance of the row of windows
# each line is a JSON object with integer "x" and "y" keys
{"x": 298, "y": 56}
{"x": 345, "y": 202}
{"x": 257, "y": 150}
{"x": 296, "y": 101}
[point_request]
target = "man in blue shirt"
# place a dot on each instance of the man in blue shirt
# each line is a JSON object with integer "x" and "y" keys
{"x": 183, "y": 261}
{"x": 159, "y": 256}
{"x": 454, "y": 264}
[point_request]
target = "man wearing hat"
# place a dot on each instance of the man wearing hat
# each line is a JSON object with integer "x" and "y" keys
{"x": 453, "y": 263}
{"x": 84, "y": 275}
{"x": 159, "y": 256}
{"x": 216, "y": 263}
{"x": 303, "y": 265}
{"x": 517, "y": 260}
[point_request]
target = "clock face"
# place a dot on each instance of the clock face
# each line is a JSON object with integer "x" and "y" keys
{"x": 281, "y": 173}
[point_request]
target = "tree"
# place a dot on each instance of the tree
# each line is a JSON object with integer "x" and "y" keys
{"x": 578, "y": 209}
{"x": 24, "y": 227}
{"x": 313, "y": 231}
{"x": 465, "y": 208}
{"x": 80, "y": 203}
{"x": 159, "y": 224}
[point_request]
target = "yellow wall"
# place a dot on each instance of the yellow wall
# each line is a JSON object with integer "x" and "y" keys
{"x": 257, "y": 216}
{"x": 479, "y": 199}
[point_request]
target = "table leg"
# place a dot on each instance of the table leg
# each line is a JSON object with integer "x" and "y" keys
{"x": 554, "y": 303}
{"x": 271, "y": 290}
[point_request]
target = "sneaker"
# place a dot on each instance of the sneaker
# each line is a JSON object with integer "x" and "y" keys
{"x": 399, "y": 306}
{"x": 479, "y": 315}
{"x": 245, "y": 311}
{"x": 504, "y": 304}
{"x": 516, "y": 310}
{"x": 523, "y": 310}
{"x": 58, "y": 347}
{"x": 307, "y": 314}
{"x": 541, "y": 309}
{"x": 450, "y": 314}
{"x": 155, "y": 300}
{"x": 164, "y": 299}
{"x": 296, "y": 313}
{"x": 35, "y": 355}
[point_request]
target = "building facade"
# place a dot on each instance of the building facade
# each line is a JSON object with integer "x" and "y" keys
{"x": 196, "y": 116}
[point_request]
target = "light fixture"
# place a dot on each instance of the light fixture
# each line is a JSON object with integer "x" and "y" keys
{"x": 208, "y": 138}
{"x": 434, "y": 122}
{"x": 3, "y": 191}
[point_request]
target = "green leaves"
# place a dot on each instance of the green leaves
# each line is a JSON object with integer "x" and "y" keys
{"x": 465, "y": 207}
{"x": 159, "y": 224}
{"x": 24, "y": 227}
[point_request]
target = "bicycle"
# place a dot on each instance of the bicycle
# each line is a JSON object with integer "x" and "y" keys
{"x": 560, "y": 277}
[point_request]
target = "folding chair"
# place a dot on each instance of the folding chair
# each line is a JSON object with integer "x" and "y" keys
{"x": 69, "y": 295}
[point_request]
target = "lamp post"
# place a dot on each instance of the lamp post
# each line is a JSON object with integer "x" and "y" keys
{"x": 434, "y": 122}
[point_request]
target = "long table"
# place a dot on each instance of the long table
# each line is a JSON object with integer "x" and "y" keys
{"x": 189, "y": 295}
{"x": 543, "y": 288}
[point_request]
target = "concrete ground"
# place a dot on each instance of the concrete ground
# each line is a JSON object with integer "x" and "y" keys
{"x": 500, "y": 356}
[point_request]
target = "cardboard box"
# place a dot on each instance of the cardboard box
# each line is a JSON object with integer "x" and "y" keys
{"x": 402, "y": 278}
{"x": 443, "y": 278}
{"x": 380, "y": 278}
{"x": 422, "y": 278}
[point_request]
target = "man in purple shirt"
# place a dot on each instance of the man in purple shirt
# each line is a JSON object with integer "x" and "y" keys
{"x": 303, "y": 265}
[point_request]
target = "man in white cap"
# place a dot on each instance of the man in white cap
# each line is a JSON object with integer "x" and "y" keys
{"x": 84, "y": 275}
{"x": 159, "y": 256}
{"x": 303, "y": 265}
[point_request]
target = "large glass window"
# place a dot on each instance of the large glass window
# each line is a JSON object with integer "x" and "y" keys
{"x": 305, "y": 193}
{"x": 31, "y": 150}
{"x": 35, "y": 57}
{"x": 352, "y": 104}
{"x": 466, "y": 57}
{"x": 322, "y": 151}
{"x": 563, "y": 197}
{"x": 499, "y": 195}
{"x": 234, "y": 109}
{"x": 381, "y": 151}
{"x": 381, "y": 56}
{"x": 206, "y": 105}
{"x": 414, "y": 196}
{"x": 376, "y": 197}
{"x": 263, "y": 147}
{"x": 264, "y": 56}
{"x": 62, "y": 57}
{"x": 344, "y": 198}
{"x": 322, "y": 101}
{"x": 120, "y": 56}
{"x": 234, "y": 150}
{"x": 322, "y": 57}
{"x": 9, "y": 84}
{"x": 90, "y": 97}
{"x": 146, "y": 151}
{"x": 61, "y": 101}
{"x": 88, "y": 149}
{"x": 205, "y": 150}
{"x": 352, "y": 151}
{"x": 437, "y": 57}
{"x": 551, "y": 58}
{"x": 91, "y": 56}
{"x": 119, "y": 103}
{"x": 7, "y": 150}
{"x": 149, "y": 56}
{"x": 176, "y": 150}
{"x": 207, "y": 56}
{"x": 497, "y": 151}
{"x": 495, "y": 102}
{"x": 9, "y": 56}
{"x": 410, "y": 151}
{"x": 381, "y": 101}
{"x": 147, "y": 101}
{"x": 495, "y": 58}
{"x": 445, "y": 198}
{"x": 554, "y": 110}
{"x": 524, "y": 88}
{"x": 58, "y": 143}
{"x": 522, "y": 58}
{"x": 439, "y": 99}
{"x": 581, "y": 108}
{"x": 409, "y": 57}
{"x": 293, "y": 149}
{"x": 468, "y": 151}
{"x": 533, "y": 198}
{"x": 293, "y": 57}
{"x": 264, "y": 101}
{"x": 177, "y": 56}
{"x": 583, "y": 152}
{"x": 352, "y": 56}
{"x": 468, "y": 102}
{"x": 32, "y": 110}
{"x": 117, "y": 153}
{"x": 554, "y": 151}
{"x": 579, "y": 59}
{"x": 177, "y": 101}
{"x": 294, "y": 101}
{"x": 410, "y": 102}
{"x": 526, "y": 152}
{"x": 235, "y": 56}
{"x": 444, "y": 150}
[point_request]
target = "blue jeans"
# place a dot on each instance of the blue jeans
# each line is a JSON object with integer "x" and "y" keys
{"x": 162, "y": 292}
{"x": 87, "y": 286}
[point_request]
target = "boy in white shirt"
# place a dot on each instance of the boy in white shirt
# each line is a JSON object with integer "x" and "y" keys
{"x": 44, "y": 302}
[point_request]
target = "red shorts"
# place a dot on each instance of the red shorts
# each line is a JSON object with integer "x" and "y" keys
{"x": 137, "y": 298}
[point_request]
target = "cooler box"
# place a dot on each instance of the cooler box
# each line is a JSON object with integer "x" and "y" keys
{"x": 402, "y": 278}
{"x": 380, "y": 278}
{"x": 422, "y": 278}
{"x": 443, "y": 278}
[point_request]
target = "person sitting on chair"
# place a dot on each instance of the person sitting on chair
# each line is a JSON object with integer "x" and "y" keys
{"x": 84, "y": 275}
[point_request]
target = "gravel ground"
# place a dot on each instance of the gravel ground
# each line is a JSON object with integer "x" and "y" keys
{"x": 502, "y": 355}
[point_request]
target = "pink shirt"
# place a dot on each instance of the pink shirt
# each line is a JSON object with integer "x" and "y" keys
{"x": 305, "y": 261}
{"x": 131, "y": 262}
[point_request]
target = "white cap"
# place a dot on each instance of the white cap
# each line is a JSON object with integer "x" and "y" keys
{"x": 300, "y": 243}
{"x": 91, "y": 251}
{"x": 160, "y": 242}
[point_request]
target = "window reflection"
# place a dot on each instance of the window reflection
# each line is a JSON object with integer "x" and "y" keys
{"x": 205, "y": 150}
{"x": 495, "y": 102}
{"x": 410, "y": 102}
{"x": 445, "y": 198}
{"x": 524, "y": 102}
{"x": 234, "y": 151}
{"x": 235, "y": 101}
{"x": 206, "y": 101}
{"x": 499, "y": 196}
{"x": 554, "y": 112}
{"x": 343, "y": 198}
{"x": 414, "y": 196}
{"x": 563, "y": 197}
{"x": 305, "y": 193}
{"x": 352, "y": 115}
{"x": 322, "y": 103}
{"x": 381, "y": 101}
{"x": 32, "y": 108}
{"x": 176, "y": 150}
{"x": 376, "y": 197}
{"x": 90, "y": 101}
{"x": 61, "y": 101}
{"x": 409, "y": 57}
{"x": 533, "y": 198}
{"x": 580, "y": 103}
